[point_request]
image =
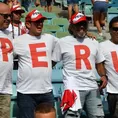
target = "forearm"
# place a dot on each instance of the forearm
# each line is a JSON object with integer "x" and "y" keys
{"x": 101, "y": 69}
{"x": 92, "y": 1}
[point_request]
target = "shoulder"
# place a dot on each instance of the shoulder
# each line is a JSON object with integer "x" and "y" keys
{"x": 105, "y": 43}
{"x": 21, "y": 37}
{"x": 66, "y": 39}
{"x": 49, "y": 36}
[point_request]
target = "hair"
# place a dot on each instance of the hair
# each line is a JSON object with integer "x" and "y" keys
{"x": 45, "y": 108}
{"x": 113, "y": 20}
{"x": 73, "y": 28}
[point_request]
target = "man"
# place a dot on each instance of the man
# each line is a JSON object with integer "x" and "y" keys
{"x": 17, "y": 27}
{"x": 34, "y": 52}
{"x": 45, "y": 110}
{"x": 6, "y": 62}
{"x": 111, "y": 65}
{"x": 80, "y": 55}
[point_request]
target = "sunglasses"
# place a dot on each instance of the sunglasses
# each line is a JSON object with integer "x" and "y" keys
{"x": 5, "y": 15}
{"x": 17, "y": 12}
{"x": 115, "y": 29}
{"x": 84, "y": 24}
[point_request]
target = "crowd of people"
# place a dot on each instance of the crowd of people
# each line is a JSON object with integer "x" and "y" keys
{"x": 37, "y": 54}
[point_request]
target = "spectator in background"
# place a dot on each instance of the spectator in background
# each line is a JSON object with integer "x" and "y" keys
{"x": 46, "y": 4}
{"x": 34, "y": 52}
{"x": 26, "y": 4}
{"x": 45, "y": 110}
{"x": 16, "y": 26}
{"x": 81, "y": 56}
{"x": 6, "y": 61}
{"x": 100, "y": 8}
{"x": 111, "y": 64}
{"x": 37, "y": 3}
{"x": 12, "y": 2}
{"x": 72, "y": 5}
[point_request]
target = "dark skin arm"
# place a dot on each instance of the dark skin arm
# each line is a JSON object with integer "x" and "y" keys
{"x": 102, "y": 73}
{"x": 53, "y": 63}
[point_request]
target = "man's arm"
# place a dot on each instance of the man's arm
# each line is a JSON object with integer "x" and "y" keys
{"x": 102, "y": 73}
{"x": 53, "y": 63}
{"x": 92, "y": 1}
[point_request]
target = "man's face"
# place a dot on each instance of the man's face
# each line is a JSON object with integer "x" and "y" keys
{"x": 17, "y": 15}
{"x": 81, "y": 29}
{"x": 114, "y": 32}
{"x": 5, "y": 18}
{"x": 36, "y": 27}
{"x": 45, "y": 115}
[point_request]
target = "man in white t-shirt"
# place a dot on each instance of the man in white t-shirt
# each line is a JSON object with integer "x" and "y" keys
{"x": 111, "y": 65}
{"x": 34, "y": 52}
{"x": 6, "y": 61}
{"x": 16, "y": 26}
{"x": 80, "y": 55}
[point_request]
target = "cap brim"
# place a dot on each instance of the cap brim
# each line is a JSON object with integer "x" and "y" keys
{"x": 80, "y": 20}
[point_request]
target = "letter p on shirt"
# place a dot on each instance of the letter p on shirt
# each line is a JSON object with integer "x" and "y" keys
{"x": 6, "y": 48}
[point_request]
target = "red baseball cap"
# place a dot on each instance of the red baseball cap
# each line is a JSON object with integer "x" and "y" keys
{"x": 77, "y": 17}
{"x": 17, "y": 8}
{"x": 34, "y": 16}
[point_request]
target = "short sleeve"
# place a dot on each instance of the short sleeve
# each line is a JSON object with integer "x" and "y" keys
{"x": 56, "y": 55}
{"x": 99, "y": 56}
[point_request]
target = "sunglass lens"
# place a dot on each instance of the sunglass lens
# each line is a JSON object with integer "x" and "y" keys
{"x": 115, "y": 28}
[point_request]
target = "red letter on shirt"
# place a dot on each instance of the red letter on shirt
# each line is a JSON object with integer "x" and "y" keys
{"x": 35, "y": 55}
{"x": 115, "y": 60}
{"x": 80, "y": 56}
{"x": 6, "y": 47}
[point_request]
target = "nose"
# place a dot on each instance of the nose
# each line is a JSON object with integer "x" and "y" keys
{"x": 9, "y": 18}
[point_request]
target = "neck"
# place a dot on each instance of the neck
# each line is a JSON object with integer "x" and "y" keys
{"x": 16, "y": 23}
{"x": 30, "y": 33}
{"x": 115, "y": 42}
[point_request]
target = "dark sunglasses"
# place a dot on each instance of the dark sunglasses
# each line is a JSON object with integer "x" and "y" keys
{"x": 5, "y": 15}
{"x": 84, "y": 24}
{"x": 17, "y": 12}
{"x": 114, "y": 28}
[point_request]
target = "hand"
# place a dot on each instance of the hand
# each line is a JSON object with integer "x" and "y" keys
{"x": 90, "y": 35}
{"x": 104, "y": 82}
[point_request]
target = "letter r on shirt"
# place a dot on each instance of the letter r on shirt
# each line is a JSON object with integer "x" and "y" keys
{"x": 115, "y": 60}
{"x": 82, "y": 56}
{"x": 35, "y": 55}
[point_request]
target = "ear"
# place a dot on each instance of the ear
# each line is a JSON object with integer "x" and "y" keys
{"x": 28, "y": 25}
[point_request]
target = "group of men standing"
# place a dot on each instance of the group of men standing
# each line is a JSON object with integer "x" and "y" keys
{"x": 38, "y": 52}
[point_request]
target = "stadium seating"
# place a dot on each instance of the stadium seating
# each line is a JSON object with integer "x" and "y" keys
{"x": 112, "y": 12}
{"x": 52, "y": 28}
{"x": 60, "y": 21}
{"x": 62, "y": 34}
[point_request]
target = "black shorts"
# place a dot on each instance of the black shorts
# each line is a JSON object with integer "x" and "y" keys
{"x": 49, "y": 2}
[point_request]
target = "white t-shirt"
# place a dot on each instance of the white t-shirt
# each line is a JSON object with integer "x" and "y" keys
{"x": 18, "y": 30}
{"x": 35, "y": 68}
{"x": 110, "y": 52}
{"x": 79, "y": 58}
{"x": 6, "y": 62}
